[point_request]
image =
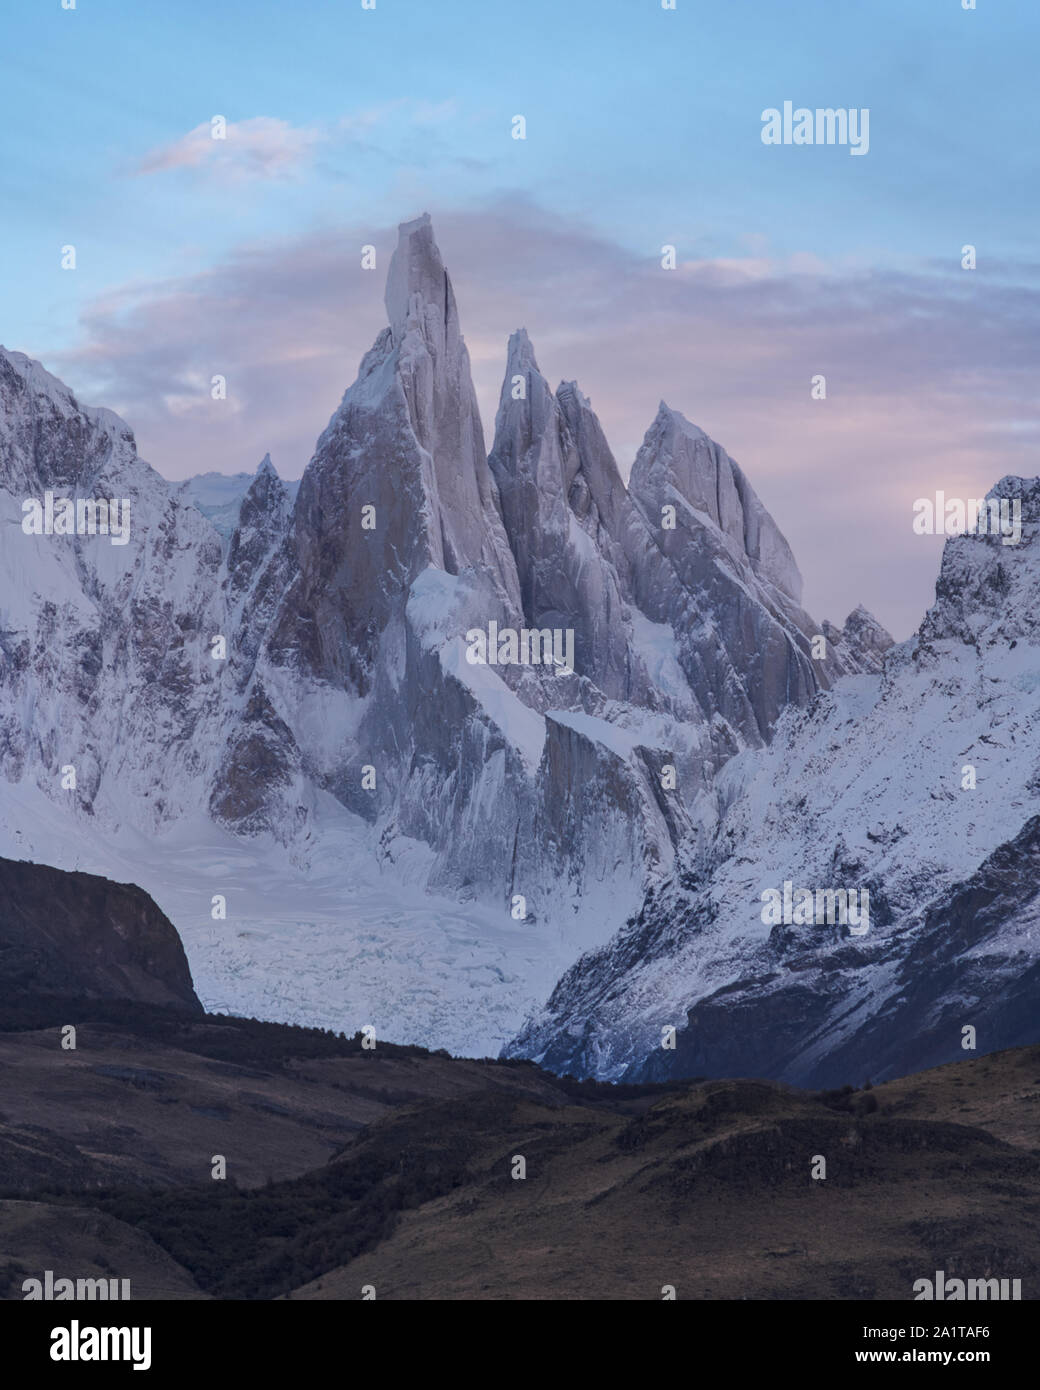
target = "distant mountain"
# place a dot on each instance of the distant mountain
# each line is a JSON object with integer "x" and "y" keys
{"x": 219, "y": 496}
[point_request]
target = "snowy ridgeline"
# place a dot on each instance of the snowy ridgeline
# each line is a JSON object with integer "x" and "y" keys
{"x": 920, "y": 786}
{"x": 268, "y": 696}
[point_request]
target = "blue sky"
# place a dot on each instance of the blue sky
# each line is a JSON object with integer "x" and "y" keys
{"x": 643, "y": 128}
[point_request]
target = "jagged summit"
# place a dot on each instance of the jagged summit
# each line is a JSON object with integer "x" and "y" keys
{"x": 519, "y": 355}
{"x": 266, "y": 496}
{"x": 35, "y": 377}
{"x": 407, "y": 442}
{"x": 571, "y": 391}
{"x": 678, "y": 457}
{"x": 862, "y": 642}
{"x": 646, "y": 564}
{"x": 417, "y": 278}
{"x": 985, "y": 594}
{"x": 47, "y": 438}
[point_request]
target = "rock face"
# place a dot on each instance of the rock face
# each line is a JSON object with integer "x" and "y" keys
{"x": 745, "y": 640}
{"x": 920, "y": 784}
{"x": 687, "y": 550}
{"x": 79, "y": 935}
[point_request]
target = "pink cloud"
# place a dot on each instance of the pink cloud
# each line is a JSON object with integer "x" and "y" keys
{"x": 261, "y": 147}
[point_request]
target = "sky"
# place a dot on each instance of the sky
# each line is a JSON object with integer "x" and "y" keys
{"x": 242, "y": 257}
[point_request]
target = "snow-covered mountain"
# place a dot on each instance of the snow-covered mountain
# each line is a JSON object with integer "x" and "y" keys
{"x": 921, "y": 783}
{"x": 289, "y": 716}
{"x": 105, "y": 665}
{"x": 526, "y": 780}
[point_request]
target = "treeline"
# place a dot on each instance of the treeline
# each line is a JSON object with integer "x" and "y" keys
{"x": 262, "y": 1243}
{"x": 248, "y": 1042}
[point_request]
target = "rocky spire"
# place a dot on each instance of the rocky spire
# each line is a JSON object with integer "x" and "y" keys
{"x": 407, "y": 445}
{"x": 432, "y": 370}
{"x": 565, "y": 580}
{"x": 862, "y": 643}
{"x": 263, "y": 521}
{"x": 678, "y": 457}
{"x": 417, "y": 282}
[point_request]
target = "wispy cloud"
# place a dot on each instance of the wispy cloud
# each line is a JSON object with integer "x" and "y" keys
{"x": 265, "y": 147}
{"x": 930, "y": 375}
{"x": 261, "y": 147}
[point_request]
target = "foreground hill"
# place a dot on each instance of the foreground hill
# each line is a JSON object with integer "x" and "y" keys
{"x": 74, "y": 933}
{"x": 393, "y": 1168}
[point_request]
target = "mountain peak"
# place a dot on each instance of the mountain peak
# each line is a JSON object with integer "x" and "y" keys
{"x": 570, "y": 391}
{"x": 35, "y": 379}
{"x": 677, "y": 457}
{"x": 520, "y": 353}
{"x": 862, "y": 642}
{"x": 266, "y": 468}
{"x": 537, "y": 395}
{"x": 979, "y": 595}
{"x": 69, "y": 443}
{"x": 667, "y": 416}
{"x": 416, "y": 268}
